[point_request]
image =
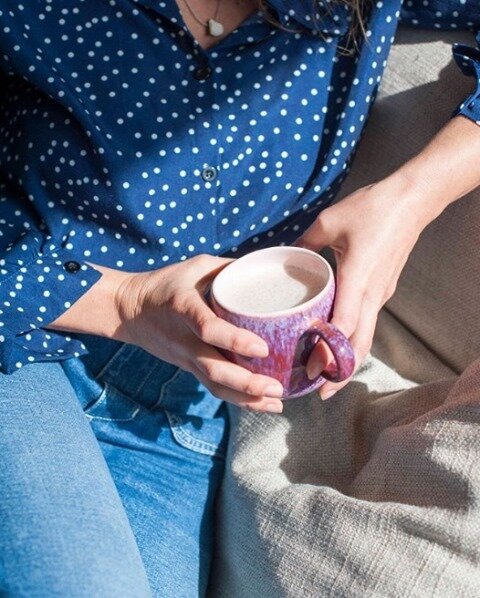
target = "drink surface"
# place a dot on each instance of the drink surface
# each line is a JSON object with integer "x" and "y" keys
{"x": 272, "y": 288}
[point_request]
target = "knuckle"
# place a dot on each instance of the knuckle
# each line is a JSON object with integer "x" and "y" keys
{"x": 346, "y": 324}
{"x": 176, "y": 302}
{"x": 205, "y": 258}
{"x": 321, "y": 220}
{"x": 373, "y": 298}
{"x": 204, "y": 327}
{"x": 236, "y": 345}
{"x": 251, "y": 387}
{"x": 364, "y": 347}
{"x": 200, "y": 257}
{"x": 391, "y": 291}
{"x": 212, "y": 371}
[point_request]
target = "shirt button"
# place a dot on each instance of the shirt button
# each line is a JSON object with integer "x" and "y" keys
{"x": 209, "y": 173}
{"x": 202, "y": 73}
{"x": 71, "y": 266}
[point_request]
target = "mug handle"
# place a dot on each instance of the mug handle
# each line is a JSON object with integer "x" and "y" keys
{"x": 339, "y": 346}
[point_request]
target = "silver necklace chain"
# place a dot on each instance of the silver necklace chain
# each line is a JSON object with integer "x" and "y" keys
{"x": 205, "y": 24}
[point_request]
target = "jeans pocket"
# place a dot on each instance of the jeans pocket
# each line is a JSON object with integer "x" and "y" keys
{"x": 205, "y": 436}
{"x": 198, "y": 420}
{"x": 112, "y": 406}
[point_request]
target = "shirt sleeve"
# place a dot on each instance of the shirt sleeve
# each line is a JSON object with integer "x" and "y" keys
{"x": 40, "y": 278}
{"x": 451, "y": 15}
{"x": 468, "y": 59}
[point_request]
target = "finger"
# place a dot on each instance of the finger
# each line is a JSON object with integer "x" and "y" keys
{"x": 320, "y": 357}
{"x": 361, "y": 341}
{"x": 392, "y": 287}
{"x": 349, "y": 296}
{"x": 219, "y": 370}
{"x": 346, "y": 312}
{"x": 205, "y": 267}
{"x": 212, "y": 330}
{"x": 252, "y": 403}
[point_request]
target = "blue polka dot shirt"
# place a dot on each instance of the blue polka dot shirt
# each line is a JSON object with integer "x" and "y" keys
{"x": 125, "y": 144}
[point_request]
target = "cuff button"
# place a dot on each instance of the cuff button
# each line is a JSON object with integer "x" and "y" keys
{"x": 71, "y": 266}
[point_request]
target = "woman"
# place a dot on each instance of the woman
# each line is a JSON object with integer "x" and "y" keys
{"x": 142, "y": 140}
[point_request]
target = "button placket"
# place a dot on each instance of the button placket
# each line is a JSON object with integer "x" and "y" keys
{"x": 71, "y": 266}
{"x": 204, "y": 74}
{"x": 209, "y": 173}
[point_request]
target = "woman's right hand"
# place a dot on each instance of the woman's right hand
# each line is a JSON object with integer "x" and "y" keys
{"x": 165, "y": 313}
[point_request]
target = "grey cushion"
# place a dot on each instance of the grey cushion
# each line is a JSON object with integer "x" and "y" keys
{"x": 436, "y": 299}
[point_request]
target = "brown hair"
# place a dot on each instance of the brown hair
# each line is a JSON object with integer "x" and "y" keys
{"x": 357, "y": 8}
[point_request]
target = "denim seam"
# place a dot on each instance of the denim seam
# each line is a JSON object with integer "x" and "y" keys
{"x": 201, "y": 446}
{"x": 102, "y": 399}
{"x": 164, "y": 387}
{"x": 111, "y": 361}
{"x": 144, "y": 381}
{"x": 39, "y": 256}
{"x": 119, "y": 355}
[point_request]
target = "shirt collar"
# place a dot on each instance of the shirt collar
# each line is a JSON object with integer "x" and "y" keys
{"x": 253, "y": 28}
{"x": 324, "y": 16}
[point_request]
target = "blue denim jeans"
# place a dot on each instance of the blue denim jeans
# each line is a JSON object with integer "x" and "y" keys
{"x": 109, "y": 468}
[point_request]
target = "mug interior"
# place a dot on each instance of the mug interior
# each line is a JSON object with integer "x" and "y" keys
{"x": 224, "y": 284}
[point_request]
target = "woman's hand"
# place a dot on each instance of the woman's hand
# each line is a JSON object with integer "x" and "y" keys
{"x": 372, "y": 233}
{"x": 165, "y": 313}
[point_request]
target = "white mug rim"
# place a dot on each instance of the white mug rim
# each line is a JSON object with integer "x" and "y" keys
{"x": 303, "y": 307}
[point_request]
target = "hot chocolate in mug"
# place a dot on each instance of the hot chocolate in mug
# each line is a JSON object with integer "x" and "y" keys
{"x": 284, "y": 295}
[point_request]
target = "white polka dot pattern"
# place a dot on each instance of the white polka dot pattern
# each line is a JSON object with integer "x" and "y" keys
{"x": 125, "y": 144}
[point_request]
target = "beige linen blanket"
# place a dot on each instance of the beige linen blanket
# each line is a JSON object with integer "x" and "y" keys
{"x": 376, "y": 493}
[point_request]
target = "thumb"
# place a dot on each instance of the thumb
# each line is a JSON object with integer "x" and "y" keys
{"x": 203, "y": 268}
{"x": 320, "y": 234}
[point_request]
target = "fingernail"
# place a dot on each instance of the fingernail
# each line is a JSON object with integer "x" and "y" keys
{"x": 274, "y": 407}
{"x": 327, "y": 395}
{"x": 274, "y": 390}
{"x": 260, "y": 350}
{"x": 314, "y": 370}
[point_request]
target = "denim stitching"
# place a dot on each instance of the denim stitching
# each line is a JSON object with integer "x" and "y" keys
{"x": 147, "y": 377}
{"x": 34, "y": 260}
{"x": 102, "y": 399}
{"x": 130, "y": 350}
{"x": 108, "y": 419}
{"x": 176, "y": 423}
{"x": 164, "y": 387}
{"x": 191, "y": 442}
{"x": 111, "y": 360}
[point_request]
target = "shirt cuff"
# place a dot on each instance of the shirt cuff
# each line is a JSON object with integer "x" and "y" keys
{"x": 468, "y": 59}
{"x": 39, "y": 281}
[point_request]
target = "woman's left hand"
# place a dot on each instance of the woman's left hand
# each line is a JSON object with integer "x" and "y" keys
{"x": 372, "y": 233}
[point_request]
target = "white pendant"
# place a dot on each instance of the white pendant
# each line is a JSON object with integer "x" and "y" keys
{"x": 214, "y": 28}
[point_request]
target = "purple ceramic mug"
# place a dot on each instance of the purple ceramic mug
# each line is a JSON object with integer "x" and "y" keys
{"x": 291, "y": 334}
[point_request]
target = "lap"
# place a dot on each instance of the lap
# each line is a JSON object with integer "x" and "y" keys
{"x": 64, "y": 530}
{"x": 163, "y": 436}
{"x": 106, "y": 479}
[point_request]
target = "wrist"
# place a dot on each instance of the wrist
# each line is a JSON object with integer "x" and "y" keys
{"x": 414, "y": 194}
{"x": 97, "y": 311}
{"x": 107, "y": 304}
{"x": 444, "y": 171}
